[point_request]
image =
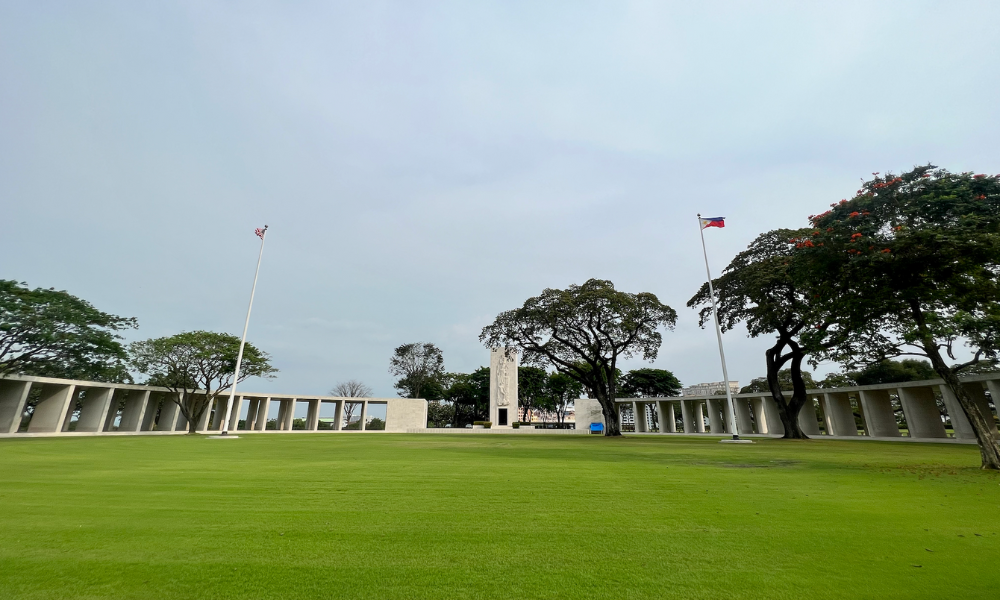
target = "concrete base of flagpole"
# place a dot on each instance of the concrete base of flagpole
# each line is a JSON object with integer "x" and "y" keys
{"x": 735, "y": 441}
{"x": 223, "y": 437}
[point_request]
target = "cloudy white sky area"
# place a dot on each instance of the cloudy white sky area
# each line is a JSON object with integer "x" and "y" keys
{"x": 424, "y": 166}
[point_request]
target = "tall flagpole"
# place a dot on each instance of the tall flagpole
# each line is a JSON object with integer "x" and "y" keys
{"x": 246, "y": 325}
{"x": 718, "y": 333}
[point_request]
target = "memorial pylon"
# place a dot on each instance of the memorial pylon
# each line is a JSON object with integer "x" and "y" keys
{"x": 503, "y": 387}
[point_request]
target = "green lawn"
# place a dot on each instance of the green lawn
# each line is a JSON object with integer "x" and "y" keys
{"x": 494, "y": 516}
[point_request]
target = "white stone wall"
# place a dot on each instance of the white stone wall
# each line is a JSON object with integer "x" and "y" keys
{"x": 405, "y": 413}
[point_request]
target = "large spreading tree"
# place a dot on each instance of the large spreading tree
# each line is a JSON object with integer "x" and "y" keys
{"x": 768, "y": 291}
{"x": 197, "y": 366}
{"x": 50, "y": 333}
{"x": 583, "y": 331}
{"x": 911, "y": 266}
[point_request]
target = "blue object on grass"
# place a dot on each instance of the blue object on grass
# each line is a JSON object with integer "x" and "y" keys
{"x": 597, "y": 428}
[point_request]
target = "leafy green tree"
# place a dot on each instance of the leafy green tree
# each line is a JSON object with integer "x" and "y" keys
{"x": 894, "y": 371}
{"x": 530, "y": 390}
{"x": 560, "y": 391}
{"x": 419, "y": 366}
{"x": 469, "y": 395}
{"x": 439, "y": 413}
{"x": 650, "y": 383}
{"x": 765, "y": 289}
{"x": 760, "y": 385}
{"x": 197, "y": 366}
{"x": 49, "y": 333}
{"x": 591, "y": 324}
{"x": 910, "y": 266}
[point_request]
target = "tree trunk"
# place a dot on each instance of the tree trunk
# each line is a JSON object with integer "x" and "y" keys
{"x": 989, "y": 451}
{"x": 611, "y": 425}
{"x": 788, "y": 412}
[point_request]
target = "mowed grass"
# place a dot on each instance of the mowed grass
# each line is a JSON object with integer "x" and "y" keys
{"x": 494, "y": 516}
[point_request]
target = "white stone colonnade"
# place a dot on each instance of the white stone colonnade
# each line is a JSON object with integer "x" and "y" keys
{"x": 921, "y": 408}
{"x": 43, "y": 405}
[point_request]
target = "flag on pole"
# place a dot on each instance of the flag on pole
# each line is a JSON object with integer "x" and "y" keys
{"x": 713, "y": 222}
{"x": 260, "y": 232}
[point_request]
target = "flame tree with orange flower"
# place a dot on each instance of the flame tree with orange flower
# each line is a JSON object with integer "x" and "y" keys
{"x": 910, "y": 266}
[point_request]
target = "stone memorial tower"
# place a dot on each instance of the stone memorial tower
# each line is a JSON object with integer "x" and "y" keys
{"x": 503, "y": 387}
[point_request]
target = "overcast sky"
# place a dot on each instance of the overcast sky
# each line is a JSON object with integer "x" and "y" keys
{"x": 424, "y": 166}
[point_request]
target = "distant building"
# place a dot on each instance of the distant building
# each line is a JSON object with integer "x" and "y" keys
{"x": 711, "y": 389}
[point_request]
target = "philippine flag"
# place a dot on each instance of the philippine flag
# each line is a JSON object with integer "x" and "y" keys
{"x": 713, "y": 222}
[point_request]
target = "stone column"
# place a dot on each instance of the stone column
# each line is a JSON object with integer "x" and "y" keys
{"x": 181, "y": 424}
{"x": 263, "y": 411}
{"x": 715, "y": 421}
{"x": 251, "y": 414}
{"x": 312, "y": 419}
{"x": 978, "y": 395}
{"x": 743, "y": 421}
{"x": 234, "y": 416}
{"x": 135, "y": 408}
{"x": 364, "y": 415}
{"x": 113, "y": 409}
{"x": 50, "y": 412}
{"x": 13, "y": 397}
{"x": 206, "y": 415}
{"x": 169, "y": 413}
{"x": 923, "y": 419}
{"x": 687, "y": 416}
{"x": 289, "y": 405}
{"x": 665, "y": 411}
{"x": 772, "y": 419}
{"x": 699, "y": 416}
{"x": 639, "y": 416}
{"x": 220, "y": 412}
{"x": 878, "y": 413}
{"x": 338, "y": 416}
{"x": 959, "y": 422}
{"x": 760, "y": 419}
{"x": 839, "y": 414}
{"x": 808, "y": 422}
{"x": 95, "y": 409}
{"x": 149, "y": 416}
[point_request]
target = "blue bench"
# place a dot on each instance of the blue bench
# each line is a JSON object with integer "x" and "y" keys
{"x": 597, "y": 428}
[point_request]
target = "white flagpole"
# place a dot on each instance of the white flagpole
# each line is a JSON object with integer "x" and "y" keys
{"x": 718, "y": 333}
{"x": 246, "y": 325}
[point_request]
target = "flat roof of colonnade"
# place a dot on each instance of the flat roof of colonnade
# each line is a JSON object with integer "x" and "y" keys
{"x": 86, "y": 383}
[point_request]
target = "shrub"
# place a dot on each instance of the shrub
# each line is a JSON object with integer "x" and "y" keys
{"x": 485, "y": 424}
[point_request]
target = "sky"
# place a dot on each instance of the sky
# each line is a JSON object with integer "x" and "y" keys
{"x": 424, "y": 166}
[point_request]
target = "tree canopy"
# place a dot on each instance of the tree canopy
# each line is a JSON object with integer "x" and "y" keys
{"x": 468, "y": 395}
{"x": 650, "y": 383}
{"x": 765, "y": 289}
{"x": 197, "y": 366}
{"x": 531, "y": 392}
{"x": 420, "y": 368}
{"x": 759, "y": 385}
{"x": 582, "y": 332}
{"x": 49, "y": 333}
{"x": 910, "y": 266}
